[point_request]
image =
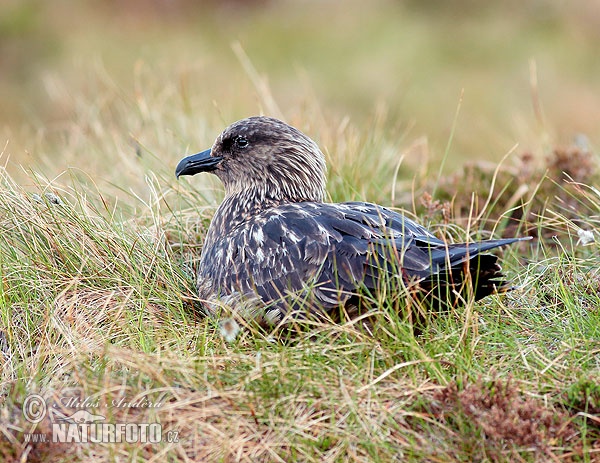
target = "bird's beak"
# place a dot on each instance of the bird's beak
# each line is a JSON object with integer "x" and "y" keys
{"x": 196, "y": 163}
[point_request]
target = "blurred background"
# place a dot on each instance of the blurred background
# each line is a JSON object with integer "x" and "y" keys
{"x": 115, "y": 88}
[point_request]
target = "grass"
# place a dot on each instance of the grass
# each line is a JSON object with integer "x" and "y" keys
{"x": 98, "y": 301}
{"x": 98, "y": 245}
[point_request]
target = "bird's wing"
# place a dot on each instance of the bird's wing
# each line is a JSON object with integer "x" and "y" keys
{"x": 325, "y": 252}
{"x": 315, "y": 254}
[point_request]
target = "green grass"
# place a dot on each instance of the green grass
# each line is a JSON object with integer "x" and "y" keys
{"x": 99, "y": 242}
{"x": 98, "y": 301}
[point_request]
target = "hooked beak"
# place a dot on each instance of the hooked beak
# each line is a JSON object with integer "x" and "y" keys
{"x": 196, "y": 163}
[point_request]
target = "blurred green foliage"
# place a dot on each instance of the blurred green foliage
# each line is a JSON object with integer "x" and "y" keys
{"x": 423, "y": 61}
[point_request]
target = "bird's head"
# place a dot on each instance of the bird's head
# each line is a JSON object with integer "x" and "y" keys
{"x": 264, "y": 156}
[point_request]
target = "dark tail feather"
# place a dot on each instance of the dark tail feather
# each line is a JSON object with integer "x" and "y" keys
{"x": 458, "y": 253}
{"x": 470, "y": 272}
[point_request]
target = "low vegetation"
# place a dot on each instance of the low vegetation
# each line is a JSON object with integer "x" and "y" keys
{"x": 99, "y": 244}
{"x": 98, "y": 302}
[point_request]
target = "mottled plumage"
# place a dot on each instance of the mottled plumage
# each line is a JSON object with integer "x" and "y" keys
{"x": 274, "y": 245}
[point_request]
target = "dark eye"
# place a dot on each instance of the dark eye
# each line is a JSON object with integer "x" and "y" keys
{"x": 241, "y": 142}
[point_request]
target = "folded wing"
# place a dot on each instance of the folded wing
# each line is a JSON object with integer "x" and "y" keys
{"x": 324, "y": 254}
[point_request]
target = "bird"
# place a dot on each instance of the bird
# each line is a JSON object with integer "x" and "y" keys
{"x": 275, "y": 250}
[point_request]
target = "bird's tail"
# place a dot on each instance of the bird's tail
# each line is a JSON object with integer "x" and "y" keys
{"x": 465, "y": 271}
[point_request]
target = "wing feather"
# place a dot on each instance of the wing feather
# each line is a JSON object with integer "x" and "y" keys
{"x": 326, "y": 252}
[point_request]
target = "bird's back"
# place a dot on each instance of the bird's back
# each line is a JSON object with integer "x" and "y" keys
{"x": 318, "y": 256}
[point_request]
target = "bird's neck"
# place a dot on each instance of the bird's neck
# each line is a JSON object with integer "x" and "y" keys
{"x": 240, "y": 207}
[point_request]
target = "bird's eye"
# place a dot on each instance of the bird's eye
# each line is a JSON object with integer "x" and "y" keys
{"x": 241, "y": 142}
